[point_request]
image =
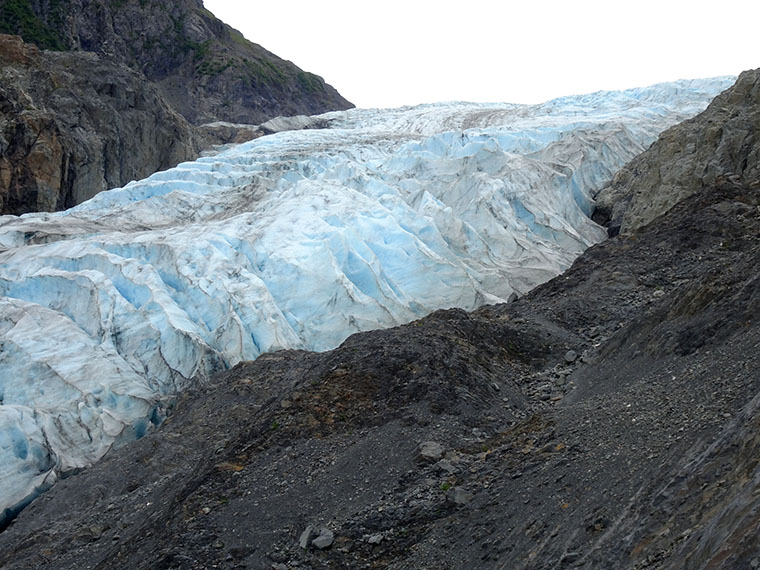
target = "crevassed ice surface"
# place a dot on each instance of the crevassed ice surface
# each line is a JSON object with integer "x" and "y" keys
{"x": 294, "y": 240}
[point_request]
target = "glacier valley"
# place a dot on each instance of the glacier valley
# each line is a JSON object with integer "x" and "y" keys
{"x": 294, "y": 240}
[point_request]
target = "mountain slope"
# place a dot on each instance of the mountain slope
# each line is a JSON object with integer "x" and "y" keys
{"x": 73, "y": 124}
{"x": 100, "y": 108}
{"x": 605, "y": 420}
{"x": 205, "y": 69}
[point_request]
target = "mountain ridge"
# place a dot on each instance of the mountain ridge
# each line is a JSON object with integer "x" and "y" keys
{"x": 205, "y": 69}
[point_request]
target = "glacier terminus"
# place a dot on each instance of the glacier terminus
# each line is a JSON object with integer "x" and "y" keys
{"x": 297, "y": 239}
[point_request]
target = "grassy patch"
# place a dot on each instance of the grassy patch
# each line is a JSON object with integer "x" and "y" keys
{"x": 207, "y": 13}
{"x": 261, "y": 71}
{"x": 212, "y": 68}
{"x": 239, "y": 39}
{"x": 200, "y": 49}
{"x": 309, "y": 82}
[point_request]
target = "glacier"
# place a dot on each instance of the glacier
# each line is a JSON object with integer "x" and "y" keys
{"x": 294, "y": 240}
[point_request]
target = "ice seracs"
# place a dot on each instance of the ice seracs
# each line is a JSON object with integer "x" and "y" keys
{"x": 296, "y": 239}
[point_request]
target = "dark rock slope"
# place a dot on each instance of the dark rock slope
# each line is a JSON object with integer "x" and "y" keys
{"x": 721, "y": 143}
{"x": 205, "y": 69}
{"x": 608, "y": 419}
{"x": 75, "y": 123}
{"x": 114, "y": 93}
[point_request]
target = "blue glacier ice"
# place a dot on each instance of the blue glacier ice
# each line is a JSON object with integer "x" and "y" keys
{"x": 294, "y": 240}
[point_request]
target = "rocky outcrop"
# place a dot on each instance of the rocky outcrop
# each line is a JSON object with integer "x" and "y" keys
{"x": 75, "y": 123}
{"x": 104, "y": 104}
{"x": 222, "y": 133}
{"x": 722, "y": 143}
{"x": 205, "y": 69}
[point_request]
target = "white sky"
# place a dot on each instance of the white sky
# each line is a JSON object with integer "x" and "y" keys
{"x": 392, "y": 53}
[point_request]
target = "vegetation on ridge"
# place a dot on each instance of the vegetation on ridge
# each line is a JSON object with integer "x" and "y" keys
{"x": 178, "y": 46}
{"x": 18, "y": 18}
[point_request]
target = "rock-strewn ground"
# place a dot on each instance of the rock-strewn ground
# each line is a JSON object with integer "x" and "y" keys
{"x": 605, "y": 420}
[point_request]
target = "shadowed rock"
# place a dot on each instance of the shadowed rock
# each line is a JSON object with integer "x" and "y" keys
{"x": 74, "y": 123}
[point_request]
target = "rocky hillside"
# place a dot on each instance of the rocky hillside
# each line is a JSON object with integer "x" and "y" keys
{"x": 113, "y": 93}
{"x": 608, "y": 419}
{"x": 721, "y": 143}
{"x": 205, "y": 69}
{"x": 75, "y": 123}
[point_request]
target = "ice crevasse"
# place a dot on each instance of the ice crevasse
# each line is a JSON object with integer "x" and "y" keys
{"x": 294, "y": 240}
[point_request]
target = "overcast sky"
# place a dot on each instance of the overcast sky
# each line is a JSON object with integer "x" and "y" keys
{"x": 392, "y": 53}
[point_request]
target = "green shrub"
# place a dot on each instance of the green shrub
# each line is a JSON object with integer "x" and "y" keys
{"x": 261, "y": 71}
{"x": 18, "y": 18}
{"x": 309, "y": 82}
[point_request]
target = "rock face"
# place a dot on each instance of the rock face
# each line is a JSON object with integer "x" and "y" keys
{"x": 222, "y": 133}
{"x": 205, "y": 69}
{"x": 721, "y": 143}
{"x": 106, "y": 105}
{"x": 74, "y": 123}
{"x": 639, "y": 453}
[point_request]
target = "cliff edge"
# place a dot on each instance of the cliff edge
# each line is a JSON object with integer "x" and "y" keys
{"x": 75, "y": 123}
